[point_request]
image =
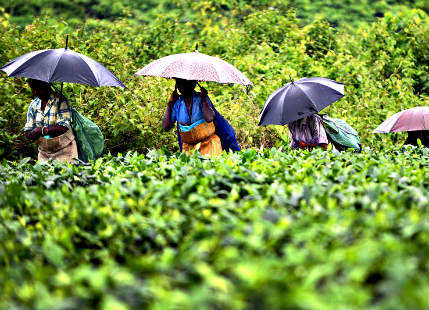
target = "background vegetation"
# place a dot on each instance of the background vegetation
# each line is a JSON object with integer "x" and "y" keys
{"x": 384, "y": 66}
{"x": 338, "y": 13}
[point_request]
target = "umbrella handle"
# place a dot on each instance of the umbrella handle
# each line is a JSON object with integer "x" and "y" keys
{"x": 200, "y": 86}
{"x": 60, "y": 92}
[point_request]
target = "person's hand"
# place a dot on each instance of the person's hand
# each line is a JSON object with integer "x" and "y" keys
{"x": 35, "y": 133}
{"x": 173, "y": 98}
{"x": 203, "y": 93}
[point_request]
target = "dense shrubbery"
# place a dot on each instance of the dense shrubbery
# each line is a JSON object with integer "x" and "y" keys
{"x": 384, "y": 67}
{"x": 338, "y": 12}
{"x": 252, "y": 230}
{"x": 23, "y": 11}
{"x": 270, "y": 228}
{"x": 353, "y": 12}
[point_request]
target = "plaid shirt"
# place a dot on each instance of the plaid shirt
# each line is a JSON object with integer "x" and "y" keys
{"x": 56, "y": 113}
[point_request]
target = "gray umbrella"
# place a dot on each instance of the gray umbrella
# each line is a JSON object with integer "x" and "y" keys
{"x": 61, "y": 65}
{"x": 299, "y": 99}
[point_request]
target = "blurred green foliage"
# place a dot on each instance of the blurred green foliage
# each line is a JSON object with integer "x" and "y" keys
{"x": 353, "y": 12}
{"x": 337, "y": 12}
{"x": 384, "y": 66}
{"x": 23, "y": 11}
{"x": 249, "y": 230}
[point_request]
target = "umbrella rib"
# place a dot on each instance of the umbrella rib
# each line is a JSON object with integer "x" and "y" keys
{"x": 89, "y": 67}
{"x": 424, "y": 123}
{"x": 311, "y": 101}
{"x": 324, "y": 85}
{"x": 283, "y": 96}
{"x": 56, "y": 66}
{"x": 92, "y": 72}
{"x": 91, "y": 63}
{"x": 268, "y": 101}
{"x": 218, "y": 67}
{"x": 409, "y": 121}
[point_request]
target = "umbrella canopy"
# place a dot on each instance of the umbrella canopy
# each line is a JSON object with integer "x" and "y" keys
{"x": 195, "y": 66}
{"x": 413, "y": 119}
{"x": 61, "y": 65}
{"x": 299, "y": 99}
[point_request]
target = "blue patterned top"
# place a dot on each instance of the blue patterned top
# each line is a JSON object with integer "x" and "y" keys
{"x": 179, "y": 112}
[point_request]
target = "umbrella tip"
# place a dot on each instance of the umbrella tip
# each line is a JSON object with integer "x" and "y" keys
{"x": 290, "y": 79}
{"x": 196, "y": 48}
{"x": 67, "y": 41}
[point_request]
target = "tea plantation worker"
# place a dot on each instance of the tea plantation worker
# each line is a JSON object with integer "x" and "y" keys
{"x": 308, "y": 132}
{"x": 49, "y": 123}
{"x": 194, "y": 115}
{"x": 423, "y": 135}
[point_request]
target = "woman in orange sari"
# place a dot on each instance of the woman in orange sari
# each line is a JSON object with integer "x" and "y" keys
{"x": 194, "y": 115}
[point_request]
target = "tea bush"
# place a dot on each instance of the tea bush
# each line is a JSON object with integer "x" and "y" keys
{"x": 274, "y": 229}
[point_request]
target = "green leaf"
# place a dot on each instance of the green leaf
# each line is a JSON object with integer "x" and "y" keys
{"x": 53, "y": 252}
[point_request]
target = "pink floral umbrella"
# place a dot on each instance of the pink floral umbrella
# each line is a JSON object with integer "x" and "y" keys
{"x": 413, "y": 119}
{"x": 195, "y": 66}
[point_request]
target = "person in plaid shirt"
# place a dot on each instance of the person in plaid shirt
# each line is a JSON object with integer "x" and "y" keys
{"x": 49, "y": 122}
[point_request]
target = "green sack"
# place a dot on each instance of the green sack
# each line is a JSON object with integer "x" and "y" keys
{"x": 341, "y": 134}
{"x": 90, "y": 140}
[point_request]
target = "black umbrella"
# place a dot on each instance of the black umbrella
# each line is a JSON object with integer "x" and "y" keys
{"x": 61, "y": 65}
{"x": 299, "y": 99}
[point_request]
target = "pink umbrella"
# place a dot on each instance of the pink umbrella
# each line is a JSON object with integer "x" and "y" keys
{"x": 413, "y": 119}
{"x": 195, "y": 66}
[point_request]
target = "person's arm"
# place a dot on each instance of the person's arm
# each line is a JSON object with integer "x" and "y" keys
{"x": 322, "y": 136}
{"x": 33, "y": 134}
{"x": 167, "y": 124}
{"x": 54, "y": 130}
{"x": 208, "y": 113}
{"x": 30, "y": 130}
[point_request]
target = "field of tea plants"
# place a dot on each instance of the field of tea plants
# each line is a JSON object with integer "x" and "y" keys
{"x": 272, "y": 229}
{"x": 265, "y": 228}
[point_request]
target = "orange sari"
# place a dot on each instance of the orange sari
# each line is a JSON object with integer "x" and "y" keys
{"x": 203, "y": 138}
